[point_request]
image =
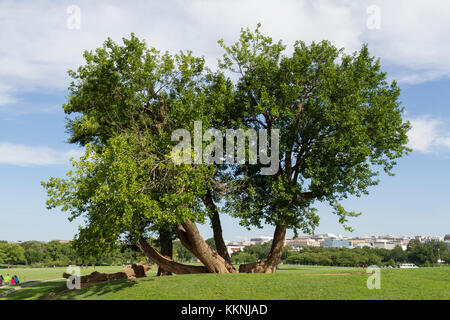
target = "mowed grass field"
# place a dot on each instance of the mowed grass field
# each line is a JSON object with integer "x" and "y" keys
{"x": 44, "y": 274}
{"x": 290, "y": 282}
{"x": 33, "y": 274}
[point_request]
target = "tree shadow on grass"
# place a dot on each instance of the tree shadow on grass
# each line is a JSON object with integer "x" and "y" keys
{"x": 36, "y": 291}
{"x": 294, "y": 269}
{"x": 97, "y": 290}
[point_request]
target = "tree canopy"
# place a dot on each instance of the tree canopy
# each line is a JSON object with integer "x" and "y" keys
{"x": 339, "y": 123}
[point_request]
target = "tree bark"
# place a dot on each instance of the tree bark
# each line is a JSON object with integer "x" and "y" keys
{"x": 269, "y": 264}
{"x": 216, "y": 226}
{"x": 190, "y": 237}
{"x": 165, "y": 241}
{"x": 165, "y": 263}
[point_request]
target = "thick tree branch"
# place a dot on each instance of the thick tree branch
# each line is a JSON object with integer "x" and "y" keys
{"x": 166, "y": 263}
{"x": 216, "y": 226}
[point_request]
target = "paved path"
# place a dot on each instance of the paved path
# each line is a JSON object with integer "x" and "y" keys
{"x": 24, "y": 285}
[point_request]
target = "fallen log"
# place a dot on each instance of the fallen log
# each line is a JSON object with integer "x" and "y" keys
{"x": 137, "y": 270}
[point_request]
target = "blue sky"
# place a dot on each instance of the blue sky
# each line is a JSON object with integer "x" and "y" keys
{"x": 40, "y": 42}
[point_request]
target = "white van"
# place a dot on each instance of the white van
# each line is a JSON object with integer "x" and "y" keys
{"x": 407, "y": 265}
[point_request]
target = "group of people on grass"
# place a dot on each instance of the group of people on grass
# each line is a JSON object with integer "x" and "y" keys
{"x": 8, "y": 280}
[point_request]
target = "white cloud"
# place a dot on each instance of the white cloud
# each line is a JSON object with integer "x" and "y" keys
{"x": 413, "y": 36}
{"x": 38, "y": 48}
{"x": 429, "y": 135}
{"x": 23, "y": 155}
{"x": 6, "y": 97}
{"x": 20, "y": 107}
{"x": 444, "y": 141}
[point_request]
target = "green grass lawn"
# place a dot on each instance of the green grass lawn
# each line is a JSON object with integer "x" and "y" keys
{"x": 33, "y": 274}
{"x": 41, "y": 274}
{"x": 290, "y": 282}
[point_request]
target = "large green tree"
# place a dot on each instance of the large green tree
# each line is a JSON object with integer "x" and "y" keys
{"x": 127, "y": 101}
{"x": 339, "y": 120}
{"x": 340, "y": 123}
{"x": 426, "y": 253}
{"x": 12, "y": 253}
{"x": 34, "y": 251}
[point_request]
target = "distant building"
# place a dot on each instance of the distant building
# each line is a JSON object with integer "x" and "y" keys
{"x": 404, "y": 241}
{"x": 387, "y": 244}
{"x": 331, "y": 240}
{"x": 261, "y": 239}
{"x": 234, "y": 248}
{"x": 324, "y": 236}
{"x": 302, "y": 242}
{"x": 337, "y": 243}
{"x": 388, "y": 237}
{"x": 359, "y": 242}
{"x": 428, "y": 238}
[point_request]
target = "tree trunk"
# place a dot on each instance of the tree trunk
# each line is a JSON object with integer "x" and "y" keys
{"x": 165, "y": 241}
{"x": 269, "y": 264}
{"x": 165, "y": 263}
{"x": 190, "y": 237}
{"x": 216, "y": 226}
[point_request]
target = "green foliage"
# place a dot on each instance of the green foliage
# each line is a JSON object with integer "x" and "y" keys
{"x": 134, "y": 87}
{"x": 34, "y": 251}
{"x": 125, "y": 102}
{"x": 243, "y": 257}
{"x": 56, "y": 253}
{"x": 181, "y": 254}
{"x": 259, "y": 250}
{"x": 340, "y": 121}
{"x": 12, "y": 253}
{"x": 398, "y": 254}
{"x": 254, "y": 253}
{"x": 309, "y": 258}
{"x": 119, "y": 195}
{"x": 211, "y": 243}
{"x": 422, "y": 254}
{"x": 426, "y": 253}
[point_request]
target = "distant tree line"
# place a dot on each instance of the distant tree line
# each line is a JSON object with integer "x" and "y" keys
{"x": 421, "y": 254}
{"x": 56, "y": 253}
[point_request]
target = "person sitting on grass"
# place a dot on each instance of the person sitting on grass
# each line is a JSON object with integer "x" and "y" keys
{"x": 13, "y": 281}
{"x": 7, "y": 279}
{"x": 16, "y": 279}
{"x": 1, "y": 280}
